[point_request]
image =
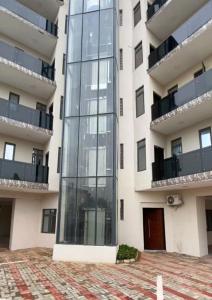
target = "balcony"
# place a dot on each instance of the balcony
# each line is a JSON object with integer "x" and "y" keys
{"x": 164, "y": 16}
{"x": 15, "y": 174}
{"x": 28, "y": 28}
{"x": 187, "y": 46}
{"x": 191, "y": 104}
{"x": 48, "y": 8}
{"x": 26, "y": 72}
{"x": 187, "y": 168}
{"x": 24, "y": 122}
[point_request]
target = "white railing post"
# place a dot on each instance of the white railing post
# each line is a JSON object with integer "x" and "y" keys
{"x": 160, "y": 288}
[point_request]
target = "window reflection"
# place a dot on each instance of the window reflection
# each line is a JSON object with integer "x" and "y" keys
{"x": 90, "y": 5}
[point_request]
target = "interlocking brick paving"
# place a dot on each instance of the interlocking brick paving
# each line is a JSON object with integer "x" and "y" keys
{"x": 31, "y": 274}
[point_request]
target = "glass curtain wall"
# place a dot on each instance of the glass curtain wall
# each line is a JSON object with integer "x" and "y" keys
{"x": 88, "y": 178}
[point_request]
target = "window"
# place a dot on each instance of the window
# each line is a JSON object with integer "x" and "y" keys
{"x": 49, "y": 220}
{"x": 138, "y": 55}
{"x": 66, "y": 24}
{"x": 176, "y": 146}
{"x": 139, "y": 102}
{"x": 121, "y": 59}
{"x": 198, "y": 73}
{"x": 122, "y": 209}
{"x": 121, "y": 107}
{"x": 37, "y": 157}
{"x": 121, "y": 156}
{"x": 137, "y": 14}
{"x": 59, "y": 160}
{"x": 61, "y": 107}
{"x": 64, "y": 64}
{"x": 205, "y": 137}
{"x": 141, "y": 155}
{"x": 9, "y": 151}
{"x": 209, "y": 219}
{"x": 14, "y": 98}
{"x": 121, "y": 17}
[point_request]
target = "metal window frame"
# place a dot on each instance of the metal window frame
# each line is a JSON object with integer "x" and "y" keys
{"x": 50, "y": 215}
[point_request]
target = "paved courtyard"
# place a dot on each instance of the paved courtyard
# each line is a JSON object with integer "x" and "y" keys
{"x": 32, "y": 274}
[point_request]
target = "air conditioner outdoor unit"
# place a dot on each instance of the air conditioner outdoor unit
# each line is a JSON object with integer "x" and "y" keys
{"x": 174, "y": 200}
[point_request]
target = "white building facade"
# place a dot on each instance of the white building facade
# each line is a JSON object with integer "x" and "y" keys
{"x": 106, "y": 139}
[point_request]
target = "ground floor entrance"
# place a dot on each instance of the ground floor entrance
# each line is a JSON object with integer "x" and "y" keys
{"x": 154, "y": 229}
{"x": 5, "y": 222}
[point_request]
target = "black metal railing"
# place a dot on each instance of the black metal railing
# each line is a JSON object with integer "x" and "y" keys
{"x": 194, "y": 89}
{"x": 26, "y": 60}
{"x": 16, "y": 170}
{"x": 29, "y": 15}
{"x": 25, "y": 114}
{"x": 189, "y": 163}
{"x": 203, "y": 16}
{"x": 153, "y": 8}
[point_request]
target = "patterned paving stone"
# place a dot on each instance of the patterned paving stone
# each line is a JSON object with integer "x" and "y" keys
{"x": 31, "y": 274}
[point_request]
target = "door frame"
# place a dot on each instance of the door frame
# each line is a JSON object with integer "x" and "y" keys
{"x": 164, "y": 231}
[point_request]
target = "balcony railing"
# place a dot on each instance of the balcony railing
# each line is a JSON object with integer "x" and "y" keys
{"x": 16, "y": 170}
{"x": 25, "y": 114}
{"x": 26, "y": 60}
{"x": 203, "y": 16}
{"x": 153, "y": 8}
{"x": 194, "y": 89}
{"x": 29, "y": 15}
{"x": 194, "y": 162}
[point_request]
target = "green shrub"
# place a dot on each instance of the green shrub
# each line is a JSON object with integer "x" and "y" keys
{"x": 126, "y": 252}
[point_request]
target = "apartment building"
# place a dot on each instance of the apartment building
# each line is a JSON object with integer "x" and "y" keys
{"x": 165, "y": 125}
{"x": 32, "y": 49}
{"x": 105, "y": 126}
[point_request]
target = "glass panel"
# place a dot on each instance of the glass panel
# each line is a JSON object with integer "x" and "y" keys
{"x": 141, "y": 155}
{"x": 205, "y": 136}
{"x": 87, "y": 146}
{"x": 106, "y": 4}
{"x": 45, "y": 224}
{"x": 68, "y": 211}
{"x": 86, "y": 211}
{"x": 70, "y": 147}
{"x": 176, "y": 147}
{"x": 9, "y": 151}
{"x": 140, "y": 102}
{"x": 104, "y": 211}
{"x": 76, "y": 7}
{"x": 105, "y": 86}
{"x": 75, "y": 38}
{"x": 72, "y": 90}
{"x": 90, "y": 36}
{"x": 105, "y": 146}
{"x": 106, "y": 36}
{"x": 89, "y": 88}
{"x": 90, "y": 5}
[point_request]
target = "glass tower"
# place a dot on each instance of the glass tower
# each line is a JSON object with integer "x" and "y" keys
{"x": 88, "y": 178}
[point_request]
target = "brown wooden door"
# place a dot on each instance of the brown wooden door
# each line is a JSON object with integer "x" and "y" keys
{"x": 154, "y": 231}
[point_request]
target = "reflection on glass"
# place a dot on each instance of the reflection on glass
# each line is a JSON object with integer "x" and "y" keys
{"x": 104, "y": 211}
{"x": 90, "y": 5}
{"x": 105, "y": 145}
{"x": 76, "y": 7}
{"x": 90, "y": 36}
{"x": 72, "y": 89}
{"x": 106, "y": 4}
{"x": 68, "y": 211}
{"x": 89, "y": 88}
{"x": 74, "y": 41}
{"x": 87, "y": 146}
{"x": 205, "y": 136}
{"x": 86, "y": 210}
{"x": 70, "y": 147}
{"x": 106, "y": 33}
{"x": 105, "y": 86}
